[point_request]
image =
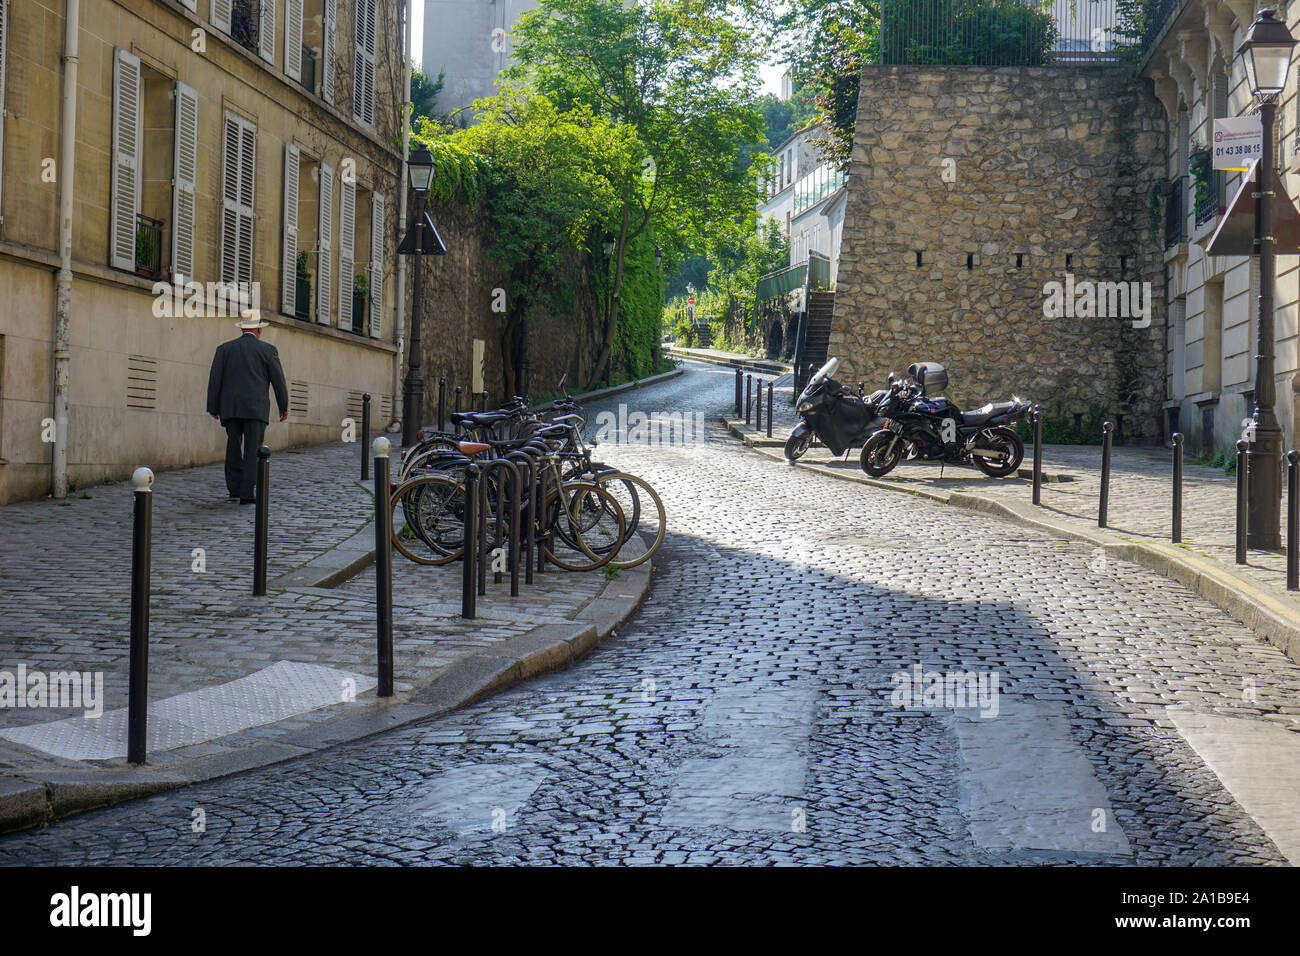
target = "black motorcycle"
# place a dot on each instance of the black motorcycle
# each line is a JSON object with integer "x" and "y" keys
{"x": 832, "y": 414}
{"x": 918, "y": 425}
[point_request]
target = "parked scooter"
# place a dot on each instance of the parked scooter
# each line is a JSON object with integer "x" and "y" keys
{"x": 919, "y": 425}
{"x": 832, "y": 414}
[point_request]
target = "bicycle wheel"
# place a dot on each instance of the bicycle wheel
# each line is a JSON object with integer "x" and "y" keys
{"x": 584, "y": 527}
{"x": 647, "y": 523}
{"x": 430, "y": 529}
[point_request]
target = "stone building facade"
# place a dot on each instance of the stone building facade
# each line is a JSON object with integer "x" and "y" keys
{"x": 461, "y": 324}
{"x": 215, "y": 142}
{"x": 970, "y": 191}
{"x": 1213, "y": 322}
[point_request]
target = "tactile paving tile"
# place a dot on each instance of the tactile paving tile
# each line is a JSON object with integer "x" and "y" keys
{"x": 285, "y": 689}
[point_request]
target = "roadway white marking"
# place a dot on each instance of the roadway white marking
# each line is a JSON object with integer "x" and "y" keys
{"x": 275, "y": 693}
{"x": 480, "y": 798}
{"x": 761, "y": 783}
{"x": 1258, "y": 762}
{"x": 1027, "y": 786}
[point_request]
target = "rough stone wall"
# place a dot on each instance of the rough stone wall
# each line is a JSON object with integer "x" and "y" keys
{"x": 458, "y": 297}
{"x": 1047, "y": 162}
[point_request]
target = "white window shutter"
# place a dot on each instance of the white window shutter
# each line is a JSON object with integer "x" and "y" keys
{"x": 239, "y": 165}
{"x": 267, "y": 14}
{"x": 247, "y": 175}
{"x": 4, "y": 41}
{"x": 229, "y": 201}
{"x": 185, "y": 182}
{"x": 289, "y": 253}
{"x": 376, "y": 265}
{"x": 347, "y": 253}
{"x": 125, "y": 195}
{"x": 293, "y": 39}
{"x": 221, "y": 14}
{"x": 363, "y": 63}
{"x": 327, "y": 51}
{"x": 324, "y": 258}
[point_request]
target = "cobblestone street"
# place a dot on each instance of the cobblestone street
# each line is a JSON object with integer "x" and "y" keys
{"x": 744, "y": 716}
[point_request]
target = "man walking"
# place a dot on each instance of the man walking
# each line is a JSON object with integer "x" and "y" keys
{"x": 242, "y": 370}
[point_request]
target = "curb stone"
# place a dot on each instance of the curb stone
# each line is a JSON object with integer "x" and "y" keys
{"x": 1240, "y": 598}
{"x": 33, "y": 797}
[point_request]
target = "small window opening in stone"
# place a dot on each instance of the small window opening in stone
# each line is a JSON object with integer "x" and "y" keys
{"x": 1123, "y": 264}
{"x": 918, "y": 258}
{"x": 970, "y": 260}
{"x": 1020, "y": 260}
{"x": 1069, "y": 260}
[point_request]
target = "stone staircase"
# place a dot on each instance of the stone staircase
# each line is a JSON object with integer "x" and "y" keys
{"x": 821, "y": 306}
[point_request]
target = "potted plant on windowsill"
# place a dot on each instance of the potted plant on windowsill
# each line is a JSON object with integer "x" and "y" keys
{"x": 360, "y": 299}
{"x": 302, "y": 294}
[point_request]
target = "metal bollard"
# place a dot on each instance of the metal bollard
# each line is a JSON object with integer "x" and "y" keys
{"x": 442, "y": 403}
{"x": 1241, "y": 501}
{"x": 510, "y": 540}
{"x": 1177, "y": 534}
{"x": 459, "y": 390}
{"x": 1038, "y": 455}
{"x": 1107, "y": 428}
{"x": 485, "y": 400}
{"x": 769, "y": 409}
{"x": 1292, "y": 520}
{"x": 527, "y": 479}
{"x": 469, "y": 536}
{"x": 383, "y": 568}
{"x": 749, "y": 397}
{"x": 739, "y": 388}
{"x": 137, "y": 714}
{"x": 758, "y": 404}
{"x": 260, "y": 522}
{"x": 365, "y": 436}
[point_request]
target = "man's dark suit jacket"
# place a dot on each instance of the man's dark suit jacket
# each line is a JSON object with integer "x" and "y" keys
{"x": 242, "y": 370}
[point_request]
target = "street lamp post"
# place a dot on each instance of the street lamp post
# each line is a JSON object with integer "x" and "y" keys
{"x": 1266, "y": 52}
{"x": 420, "y": 167}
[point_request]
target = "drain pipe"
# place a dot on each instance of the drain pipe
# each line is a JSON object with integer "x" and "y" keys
{"x": 63, "y": 293}
{"x": 399, "y": 409}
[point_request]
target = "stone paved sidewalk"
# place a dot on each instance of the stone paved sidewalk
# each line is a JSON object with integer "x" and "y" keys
{"x": 1139, "y": 511}
{"x": 65, "y": 584}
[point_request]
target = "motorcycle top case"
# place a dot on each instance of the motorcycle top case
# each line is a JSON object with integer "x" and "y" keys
{"x": 931, "y": 376}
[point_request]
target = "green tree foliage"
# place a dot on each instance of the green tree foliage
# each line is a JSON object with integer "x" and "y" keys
{"x": 424, "y": 94}
{"x": 680, "y": 74}
{"x": 742, "y": 255}
{"x": 545, "y": 179}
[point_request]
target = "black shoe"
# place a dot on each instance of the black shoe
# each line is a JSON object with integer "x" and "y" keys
{"x": 231, "y": 499}
{"x": 248, "y": 501}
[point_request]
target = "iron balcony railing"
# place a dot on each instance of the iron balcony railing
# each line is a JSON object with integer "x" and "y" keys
{"x": 1207, "y": 203}
{"x": 1175, "y": 212}
{"x": 148, "y": 246}
{"x": 1000, "y": 32}
{"x": 1151, "y": 17}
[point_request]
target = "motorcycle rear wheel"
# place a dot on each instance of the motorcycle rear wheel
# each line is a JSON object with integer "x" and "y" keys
{"x": 797, "y": 444}
{"x": 1012, "y": 448}
{"x": 881, "y": 453}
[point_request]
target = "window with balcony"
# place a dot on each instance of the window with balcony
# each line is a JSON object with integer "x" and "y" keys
{"x": 301, "y": 271}
{"x": 142, "y": 196}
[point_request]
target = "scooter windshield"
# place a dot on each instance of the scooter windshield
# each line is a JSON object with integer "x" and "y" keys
{"x": 825, "y": 372}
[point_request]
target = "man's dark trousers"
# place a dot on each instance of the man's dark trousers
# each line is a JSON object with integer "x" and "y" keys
{"x": 243, "y": 438}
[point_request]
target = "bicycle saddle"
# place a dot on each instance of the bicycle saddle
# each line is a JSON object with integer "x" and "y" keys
{"x": 472, "y": 447}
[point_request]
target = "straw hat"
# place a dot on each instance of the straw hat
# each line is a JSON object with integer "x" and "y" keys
{"x": 252, "y": 320}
